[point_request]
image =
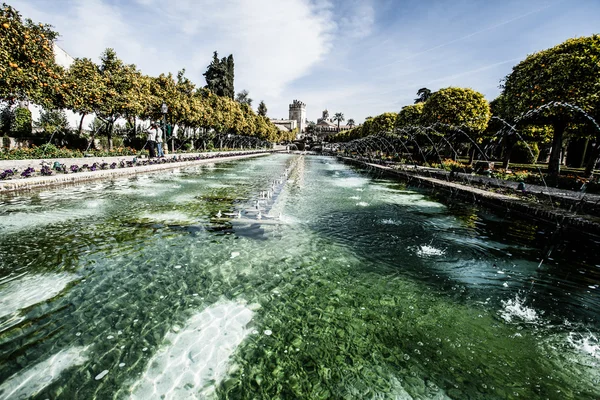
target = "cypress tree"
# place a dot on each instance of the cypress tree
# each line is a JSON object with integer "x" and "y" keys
{"x": 230, "y": 76}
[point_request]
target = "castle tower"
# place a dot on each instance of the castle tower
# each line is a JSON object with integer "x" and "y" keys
{"x": 298, "y": 113}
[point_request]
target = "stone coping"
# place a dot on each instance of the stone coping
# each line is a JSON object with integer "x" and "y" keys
{"x": 61, "y": 179}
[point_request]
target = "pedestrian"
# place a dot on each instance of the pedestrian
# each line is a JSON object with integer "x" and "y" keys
{"x": 151, "y": 140}
{"x": 159, "y": 142}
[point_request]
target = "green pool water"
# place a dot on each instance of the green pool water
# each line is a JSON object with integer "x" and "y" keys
{"x": 286, "y": 277}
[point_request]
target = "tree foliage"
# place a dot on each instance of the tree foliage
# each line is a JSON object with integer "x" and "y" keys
{"x": 568, "y": 72}
{"x": 262, "y": 109}
{"x": 52, "y": 121}
{"x": 219, "y": 76}
{"x": 461, "y": 107}
{"x": 339, "y": 117}
{"x": 243, "y": 97}
{"x": 409, "y": 116}
{"x": 423, "y": 95}
{"x": 21, "y": 122}
{"x": 114, "y": 90}
{"x": 27, "y": 67}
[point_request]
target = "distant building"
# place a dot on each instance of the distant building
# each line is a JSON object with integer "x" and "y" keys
{"x": 326, "y": 126}
{"x": 286, "y": 125}
{"x": 298, "y": 113}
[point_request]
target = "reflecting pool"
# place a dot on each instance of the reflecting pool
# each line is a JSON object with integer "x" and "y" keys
{"x": 287, "y": 277}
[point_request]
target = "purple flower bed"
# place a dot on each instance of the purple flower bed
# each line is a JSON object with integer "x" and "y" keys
{"x": 28, "y": 172}
{"x": 7, "y": 173}
{"x": 46, "y": 171}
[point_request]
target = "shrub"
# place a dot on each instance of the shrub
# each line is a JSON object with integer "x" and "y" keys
{"x": 525, "y": 153}
{"x": 21, "y": 124}
{"x": 451, "y": 165}
{"x": 46, "y": 151}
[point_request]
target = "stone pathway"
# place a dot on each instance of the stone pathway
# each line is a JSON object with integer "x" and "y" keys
{"x": 495, "y": 182}
{"x": 58, "y": 178}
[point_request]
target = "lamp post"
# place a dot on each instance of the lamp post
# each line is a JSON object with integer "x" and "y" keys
{"x": 164, "y": 109}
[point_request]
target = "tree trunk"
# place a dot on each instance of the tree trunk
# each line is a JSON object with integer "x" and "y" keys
{"x": 563, "y": 154}
{"x": 555, "y": 156}
{"x": 595, "y": 154}
{"x": 109, "y": 134}
{"x": 472, "y": 152}
{"x": 506, "y": 160}
{"x": 92, "y": 140}
{"x": 585, "y": 149}
{"x": 81, "y": 123}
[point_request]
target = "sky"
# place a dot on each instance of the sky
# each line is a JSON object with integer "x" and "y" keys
{"x": 358, "y": 57}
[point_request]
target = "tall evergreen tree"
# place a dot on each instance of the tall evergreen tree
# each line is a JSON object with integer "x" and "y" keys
{"x": 262, "y": 109}
{"x": 230, "y": 77}
{"x": 219, "y": 76}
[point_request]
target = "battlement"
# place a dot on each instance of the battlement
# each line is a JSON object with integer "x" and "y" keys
{"x": 297, "y": 104}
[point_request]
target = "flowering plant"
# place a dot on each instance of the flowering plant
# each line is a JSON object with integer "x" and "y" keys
{"x": 7, "y": 173}
{"x": 28, "y": 172}
{"x": 46, "y": 170}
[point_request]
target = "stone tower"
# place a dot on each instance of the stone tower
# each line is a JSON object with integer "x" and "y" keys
{"x": 298, "y": 113}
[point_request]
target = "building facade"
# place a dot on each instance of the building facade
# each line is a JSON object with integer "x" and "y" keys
{"x": 326, "y": 126}
{"x": 298, "y": 113}
{"x": 285, "y": 125}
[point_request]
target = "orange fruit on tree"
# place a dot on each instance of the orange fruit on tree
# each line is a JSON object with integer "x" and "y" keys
{"x": 6, "y": 25}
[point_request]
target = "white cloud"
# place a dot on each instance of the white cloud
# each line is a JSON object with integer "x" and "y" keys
{"x": 360, "y": 21}
{"x": 273, "y": 42}
{"x": 359, "y": 57}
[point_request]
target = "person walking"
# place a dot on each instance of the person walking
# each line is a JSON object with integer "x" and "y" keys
{"x": 159, "y": 142}
{"x": 151, "y": 140}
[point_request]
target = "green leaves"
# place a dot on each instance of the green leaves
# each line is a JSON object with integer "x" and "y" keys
{"x": 113, "y": 89}
{"x": 409, "y": 116}
{"x": 27, "y": 67}
{"x": 219, "y": 76}
{"x": 568, "y": 72}
{"x": 461, "y": 107}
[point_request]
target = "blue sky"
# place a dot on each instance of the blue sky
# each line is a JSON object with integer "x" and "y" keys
{"x": 359, "y": 57}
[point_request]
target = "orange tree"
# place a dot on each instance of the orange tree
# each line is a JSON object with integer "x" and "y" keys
{"x": 463, "y": 108}
{"x": 568, "y": 72}
{"x": 409, "y": 116}
{"x": 86, "y": 88}
{"x": 27, "y": 67}
{"x": 125, "y": 93}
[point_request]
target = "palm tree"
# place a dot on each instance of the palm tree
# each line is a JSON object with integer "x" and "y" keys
{"x": 423, "y": 94}
{"x": 339, "y": 117}
{"x": 351, "y": 123}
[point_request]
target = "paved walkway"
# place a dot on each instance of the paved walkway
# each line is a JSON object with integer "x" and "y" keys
{"x": 501, "y": 183}
{"x": 37, "y": 163}
{"x": 58, "y": 178}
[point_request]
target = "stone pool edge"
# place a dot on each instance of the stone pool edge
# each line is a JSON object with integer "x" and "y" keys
{"x": 62, "y": 179}
{"x": 583, "y": 222}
